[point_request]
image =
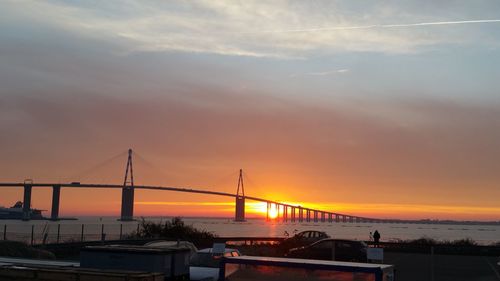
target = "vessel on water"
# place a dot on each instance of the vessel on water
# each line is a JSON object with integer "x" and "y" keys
{"x": 16, "y": 213}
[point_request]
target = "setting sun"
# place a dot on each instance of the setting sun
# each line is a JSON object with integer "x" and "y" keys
{"x": 273, "y": 212}
{"x": 260, "y": 208}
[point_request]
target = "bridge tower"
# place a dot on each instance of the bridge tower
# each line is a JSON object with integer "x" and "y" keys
{"x": 28, "y": 184}
{"x": 240, "y": 200}
{"x": 127, "y": 213}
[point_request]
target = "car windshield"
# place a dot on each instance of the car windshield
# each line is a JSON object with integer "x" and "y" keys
{"x": 205, "y": 260}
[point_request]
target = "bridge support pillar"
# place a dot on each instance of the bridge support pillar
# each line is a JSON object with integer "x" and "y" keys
{"x": 322, "y": 217}
{"x": 293, "y": 214}
{"x": 127, "y": 213}
{"x": 240, "y": 209}
{"x": 278, "y": 210}
{"x": 315, "y": 216}
{"x": 308, "y": 215}
{"x": 56, "y": 193}
{"x": 330, "y": 219}
{"x": 267, "y": 210}
{"x": 285, "y": 213}
{"x": 27, "y": 202}
{"x": 301, "y": 215}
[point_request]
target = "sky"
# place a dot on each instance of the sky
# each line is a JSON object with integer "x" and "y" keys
{"x": 386, "y": 109}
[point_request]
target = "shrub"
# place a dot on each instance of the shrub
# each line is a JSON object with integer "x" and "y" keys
{"x": 21, "y": 250}
{"x": 462, "y": 242}
{"x": 174, "y": 229}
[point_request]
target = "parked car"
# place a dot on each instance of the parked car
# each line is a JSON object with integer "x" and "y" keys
{"x": 332, "y": 249}
{"x": 204, "y": 265}
{"x": 303, "y": 238}
{"x": 173, "y": 244}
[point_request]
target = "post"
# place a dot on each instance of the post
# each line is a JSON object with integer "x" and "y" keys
{"x": 103, "y": 236}
{"x": 121, "y": 231}
{"x": 4, "y": 232}
{"x": 293, "y": 214}
{"x": 58, "y": 232}
{"x": 27, "y": 202}
{"x": 32, "y": 234}
{"x": 315, "y": 216}
{"x": 83, "y": 227}
{"x": 330, "y": 220}
{"x": 56, "y": 192}
{"x": 285, "y": 213}
{"x": 308, "y": 215}
{"x": 432, "y": 263}
{"x": 301, "y": 214}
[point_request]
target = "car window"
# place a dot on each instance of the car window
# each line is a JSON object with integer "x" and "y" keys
{"x": 228, "y": 254}
{"x": 323, "y": 245}
{"x": 235, "y": 254}
{"x": 204, "y": 260}
{"x": 342, "y": 244}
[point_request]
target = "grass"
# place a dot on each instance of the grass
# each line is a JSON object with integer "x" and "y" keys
{"x": 21, "y": 250}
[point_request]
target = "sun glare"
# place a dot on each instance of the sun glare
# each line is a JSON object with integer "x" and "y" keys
{"x": 260, "y": 208}
{"x": 273, "y": 213}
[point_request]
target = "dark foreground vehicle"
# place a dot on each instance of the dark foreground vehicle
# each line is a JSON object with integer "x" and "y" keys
{"x": 303, "y": 238}
{"x": 204, "y": 265}
{"x": 332, "y": 249}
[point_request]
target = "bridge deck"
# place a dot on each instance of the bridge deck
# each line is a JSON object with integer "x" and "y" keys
{"x": 179, "y": 189}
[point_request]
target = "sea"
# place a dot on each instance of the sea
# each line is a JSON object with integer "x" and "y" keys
{"x": 93, "y": 228}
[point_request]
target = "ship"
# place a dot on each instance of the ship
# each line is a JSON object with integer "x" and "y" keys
{"x": 16, "y": 213}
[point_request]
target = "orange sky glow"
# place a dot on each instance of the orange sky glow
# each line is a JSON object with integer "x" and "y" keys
{"x": 391, "y": 114}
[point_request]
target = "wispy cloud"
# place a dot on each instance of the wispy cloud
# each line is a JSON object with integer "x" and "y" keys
{"x": 335, "y": 28}
{"x": 321, "y": 73}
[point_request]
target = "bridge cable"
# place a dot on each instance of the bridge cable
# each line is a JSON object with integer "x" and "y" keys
{"x": 96, "y": 167}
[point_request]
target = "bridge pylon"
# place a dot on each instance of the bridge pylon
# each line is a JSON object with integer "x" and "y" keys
{"x": 127, "y": 213}
{"x": 240, "y": 199}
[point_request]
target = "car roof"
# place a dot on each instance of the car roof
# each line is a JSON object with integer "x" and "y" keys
{"x": 209, "y": 250}
{"x": 337, "y": 240}
{"x": 312, "y": 231}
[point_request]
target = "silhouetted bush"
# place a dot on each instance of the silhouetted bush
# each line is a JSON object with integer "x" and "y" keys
{"x": 461, "y": 242}
{"x": 174, "y": 229}
{"x": 423, "y": 241}
{"x": 21, "y": 250}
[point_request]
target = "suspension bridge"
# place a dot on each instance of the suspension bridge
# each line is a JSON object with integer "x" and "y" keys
{"x": 285, "y": 212}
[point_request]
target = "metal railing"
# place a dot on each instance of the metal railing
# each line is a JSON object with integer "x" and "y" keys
{"x": 58, "y": 233}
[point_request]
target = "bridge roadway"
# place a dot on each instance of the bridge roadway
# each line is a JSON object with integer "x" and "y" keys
{"x": 319, "y": 215}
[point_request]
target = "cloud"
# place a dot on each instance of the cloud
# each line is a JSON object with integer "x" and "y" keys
{"x": 373, "y": 26}
{"x": 279, "y": 29}
{"x": 322, "y": 73}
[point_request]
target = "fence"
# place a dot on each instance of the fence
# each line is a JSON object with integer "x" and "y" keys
{"x": 57, "y": 233}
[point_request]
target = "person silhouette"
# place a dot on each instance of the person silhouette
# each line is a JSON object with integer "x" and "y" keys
{"x": 376, "y": 237}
